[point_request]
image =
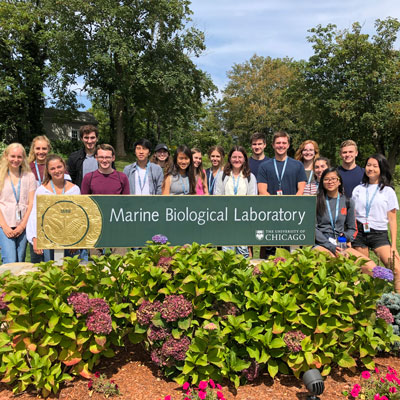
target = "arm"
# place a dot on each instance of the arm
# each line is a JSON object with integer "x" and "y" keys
{"x": 85, "y": 187}
{"x": 300, "y": 188}
{"x": 204, "y": 182}
{"x": 350, "y": 225}
{"x": 159, "y": 181}
{"x": 219, "y": 187}
{"x": 322, "y": 240}
{"x": 6, "y": 229}
{"x": 71, "y": 169}
{"x": 166, "y": 185}
{"x": 263, "y": 189}
{"x": 393, "y": 232}
{"x": 125, "y": 184}
{"x": 22, "y": 225}
{"x": 252, "y": 187}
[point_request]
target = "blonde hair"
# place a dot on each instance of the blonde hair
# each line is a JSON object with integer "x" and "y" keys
{"x": 4, "y": 162}
{"x": 49, "y": 158}
{"x": 347, "y": 143}
{"x": 299, "y": 156}
{"x": 43, "y": 138}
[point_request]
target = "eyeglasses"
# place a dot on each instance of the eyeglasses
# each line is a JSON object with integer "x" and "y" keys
{"x": 108, "y": 158}
{"x": 328, "y": 180}
{"x": 308, "y": 151}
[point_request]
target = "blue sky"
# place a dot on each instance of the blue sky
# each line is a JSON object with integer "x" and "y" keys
{"x": 237, "y": 29}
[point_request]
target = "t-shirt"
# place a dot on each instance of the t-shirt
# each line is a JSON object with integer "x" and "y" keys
{"x": 255, "y": 164}
{"x": 98, "y": 183}
{"x": 179, "y": 185}
{"x": 384, "y": 201}
{"x": 211, "y": 180}
{"x": 142, "y": 181}
{"x": 40, "y": 167}
{"x": 89, "y": 165}
{"x": 351, "y": 178}
{"x": 294, "y": 173}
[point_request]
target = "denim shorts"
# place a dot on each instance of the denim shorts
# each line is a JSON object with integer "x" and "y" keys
{"x": 373, "y": 239}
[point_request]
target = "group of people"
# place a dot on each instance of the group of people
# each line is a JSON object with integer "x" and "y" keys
{"x": 354, "y": 205}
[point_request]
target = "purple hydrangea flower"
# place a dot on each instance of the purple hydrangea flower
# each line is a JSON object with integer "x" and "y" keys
{"x": 157, "y": 357}
{"x": 228, "y": 308}
{"x": 279, "y": 259}
{"x": 175, "y": 307}
{"x": 251, "y": 373}
{"x": 382, "y": 273}
{"x": 164, "y": 263}
{"x": 99, "y": 305}
{"x": 80, "y": 302}
{"x": 384, "y": 313}
{"x": 176, "y": 348}
{"x": 146, "y": 312}
{"x": 99, "y": 323}
{"x": 155, "y": 333}
{"x": 3, "y": 304}
{"x": 293, "y": 340}
{"x": 160, "y": 239}
{"x": 256, "y": 271}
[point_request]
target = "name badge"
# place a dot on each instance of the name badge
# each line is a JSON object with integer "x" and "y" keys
{"x": 333, "y": 241}
{"x": 279, "y": 192}
{"x": 366, "y": 227}
{"x": 18, "y": 215}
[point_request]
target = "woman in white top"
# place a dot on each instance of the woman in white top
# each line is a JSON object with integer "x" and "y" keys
{"x": 237, "y": 180}
{"x": 17, "y": 188}
{"x": 376, "y": 206}
{"x": 54, "y": 183}
{"x": 216, "y": 154}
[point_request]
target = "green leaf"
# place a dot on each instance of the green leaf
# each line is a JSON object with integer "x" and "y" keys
{"x": 273, "y": 367}
{"x": 346, "y": 361}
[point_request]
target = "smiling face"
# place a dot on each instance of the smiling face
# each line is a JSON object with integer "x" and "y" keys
{"x": 237, "y": 160}
{"x": 348, "y": 155}
{"x": 258, "y": 147}
{"x": 372, "y": 170}
{"x": 162, "y": 155}
{"x": 183, "y": 161}
{"x": 56, "y": 170}
{"x": 40, "y": 150}
{"x": 308, "y": 152}
{"x": 215, "y": 158}
{"x": 15, "y": 157}
{"x": 331, "y": 182}
{"x": 196, "y": 159}
{"x": 104, "y": 158}
{"x": 319, "y": 167}
{"x": 281, "y": 146}
{"x": 89, "y": 140}
{"x": 142, "y": 153}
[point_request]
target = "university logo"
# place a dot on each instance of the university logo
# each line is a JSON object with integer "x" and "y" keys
{"x": 260, "y": 235}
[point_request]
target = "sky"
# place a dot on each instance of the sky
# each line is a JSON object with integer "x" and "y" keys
{"x": 235, "y": 30}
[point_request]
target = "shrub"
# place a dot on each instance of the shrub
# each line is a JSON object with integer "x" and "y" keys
{"x": 392, "y": 302}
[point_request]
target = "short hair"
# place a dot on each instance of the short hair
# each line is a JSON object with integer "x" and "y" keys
{"x": 279, "y": 134}
{"x": 86, "y": 129}
{"x": 258, "y": 136}
{"x": 42, "y": 138}
{"x": 142, "y": 142}
{"x": 106, "y": 147}
{"x": 348, "y": 143}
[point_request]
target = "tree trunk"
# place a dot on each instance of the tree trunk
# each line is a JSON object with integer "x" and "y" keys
{"x": 393, "y": 154}
{"x": 120, "y": 134}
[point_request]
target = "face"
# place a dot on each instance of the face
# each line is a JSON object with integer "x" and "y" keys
{"x": 258, "y": 146}
{"x": 215, "y": 158}
{"x": 196, "y": 159}
{"x": 308, "y": 152}
{"x": 40, "y": 150}
{"x": 162, "y": 154}
{"x": 183, "y": 161}
{"x": 105, "y": 158}
{"x": 56, "y": 169}
{"x": 319, "y": 167}
{"x": 281, "y": 146}
{"x": 348, "y": 154}
{"x": 142, "y": 153}
{"x": 372, "y": 169}
{"x": 237, "y": 159}
{"x": 89, "y": 141}
{"x": 15, "y": 157}
{"x": 331, "y": 181}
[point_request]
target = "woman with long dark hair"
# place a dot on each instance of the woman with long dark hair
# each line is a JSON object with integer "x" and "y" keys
{"x": 376, "y": 207}
{"x": 200, "y": 174}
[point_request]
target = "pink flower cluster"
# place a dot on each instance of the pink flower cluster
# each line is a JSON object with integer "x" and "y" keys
{"x": 205, "y": 391}
{"x": 3, "y": 304}
{"x": 384, "y": 313}
{"x": 175, "y": 307}
{"x": 279, "y": 259}
{"x": 79, "y": 302}
{"x": 176, "y": 348}
{"x": 157, "y": 333}
{"x": 293, "y": 340}
{"x": 225, "y": 309}
{"x": 100, "y": 323}
{"x": 146, "y": 312}
{"x": 251, "y": 373}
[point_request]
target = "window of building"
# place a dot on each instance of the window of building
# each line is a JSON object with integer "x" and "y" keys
{"x": 74, "y": 134}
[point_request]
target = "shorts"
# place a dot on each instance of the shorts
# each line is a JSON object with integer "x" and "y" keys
{"x": 372, "y": 240}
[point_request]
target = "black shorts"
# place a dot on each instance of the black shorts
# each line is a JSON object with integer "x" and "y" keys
{"x": 372, "y": 239}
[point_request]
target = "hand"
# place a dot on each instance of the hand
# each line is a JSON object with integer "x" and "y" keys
{"x": 396, "y": 253}
{"x": 19, "y": 230}
{"x": 8, "y": 231}
{"x": 35, "y": 249}
{"x": 340, "y": 251}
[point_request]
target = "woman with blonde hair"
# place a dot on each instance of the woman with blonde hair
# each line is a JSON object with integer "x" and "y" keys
{"x": 17, "y": 189}
{"x": 307, "y": 153}
{"x": 216, "y": 154}
{"x": 40, "y": 147}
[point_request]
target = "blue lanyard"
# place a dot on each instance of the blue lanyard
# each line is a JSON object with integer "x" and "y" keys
{"x": 54, "y": 189}
{"x": 211, "y": 181}
{"x": 330, "y": 213}
{"x": 38, "y": 174}
{"x": 277, "y": 174}
{"x": 184, "y": 190}
{"x": 235, "y": 184}
{"x": 145, "y": 177}
{"x": 310, "y": 177}
{"x": 16, "y": 194}
{"x": 367, "y": 204}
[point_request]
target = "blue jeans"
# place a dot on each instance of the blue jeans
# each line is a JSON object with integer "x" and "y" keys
{"x": 243, "y": 250}
{"x": 12, "y": 249}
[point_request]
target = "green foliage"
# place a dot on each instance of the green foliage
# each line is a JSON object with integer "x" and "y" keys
{"x": 65, "y": 147}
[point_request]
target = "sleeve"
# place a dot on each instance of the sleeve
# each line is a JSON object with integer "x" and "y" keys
{"x": 85, "y": 187}
{"x": 252, "y": 186}
{"x": 393, "y": 203}
{"x": 350, "y": 225}
{"x": 219, "y": 186}
{"x": 159, "y": 180}
{"x": 31, "y": 227}
{"x": 262, "y": 175}
{"x": 322, "y": 240}
{"x": 125, "y": 183}
{"x": 71, "y": 168}
{"x": 32, "y": 185}
{"x": 301, "y": 174}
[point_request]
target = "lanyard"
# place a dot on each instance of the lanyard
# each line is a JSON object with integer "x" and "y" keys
{"x": 310, "y": 177}
{"x": 367, "y": 203}
{"x": 184, "y": 190}
{"x": 330, "y": 212}
{"x": 54, "y": 189}
{"x": 38, "y": 174}
{"x": 16, "y": 194}
{"x": 277, "y": 174}
{"x": 145, "y": 177}
{"x": 211, "y": 181}
{"x": 235, "y": 184}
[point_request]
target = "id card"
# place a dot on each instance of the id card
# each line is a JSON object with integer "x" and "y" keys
{"x": 279, "y": 192}
{"x": 333, "y": 241}
{"x": 366, "y": 227}
{"x": 18, "y": 215}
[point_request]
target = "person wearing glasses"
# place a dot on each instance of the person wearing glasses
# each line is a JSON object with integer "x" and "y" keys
{"x": 307, "y": 153}
{"x": 336, "y": 219}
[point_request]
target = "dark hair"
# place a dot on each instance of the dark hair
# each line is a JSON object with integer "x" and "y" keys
{"x": 258, "y": 136}
{"x": 198, "y": 170}
{"x": 86, "y": 129}
{"x": 218, "y": 148}
{"x": 327, "y": 160}
{"x": 245, "y": 167}
{"x": 279, "y": 134}
{"x": 174, "y": 169}
{"x": 49, "y": 158}
{"x": 142, "y": 142}
{"x": 105, "y": 147}
{"x": 385, "y": 176}
{"x": 321, "y": 194}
